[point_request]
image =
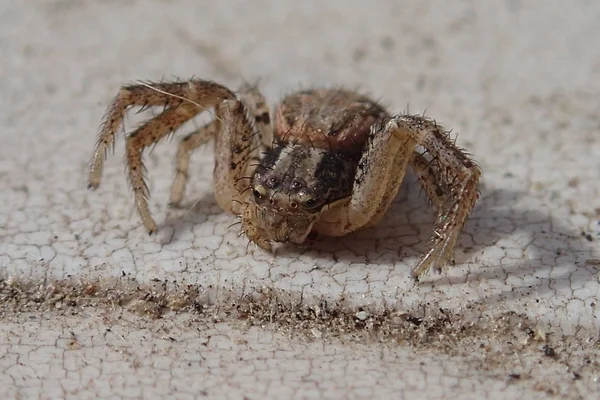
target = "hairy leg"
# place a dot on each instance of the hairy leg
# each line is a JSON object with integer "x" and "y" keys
{"x": 258, "y": 110}
{"x": 168, "y": 95}
{"x": 380, "y": 173}
{"x": 182, "y": 160}
{"x": 428, "y": 173}
{"x": 146, "y": 135}
{"x": 451, "y": 180}
{"x": 181, "y": 100}
{"x": 237, "y": 153}
{"x": 447, "y": 174}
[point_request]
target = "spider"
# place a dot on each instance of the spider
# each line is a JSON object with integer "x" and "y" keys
{"x": 330, "y": 163}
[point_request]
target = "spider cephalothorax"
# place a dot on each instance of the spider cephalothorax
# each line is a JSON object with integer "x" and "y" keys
{"x": 291, "y": 186}
{"x": 331, "y": 162}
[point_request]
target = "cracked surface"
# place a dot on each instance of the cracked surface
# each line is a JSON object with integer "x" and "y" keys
{"x": 517, "y": 81}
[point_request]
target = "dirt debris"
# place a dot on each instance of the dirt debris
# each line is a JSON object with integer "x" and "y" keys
{"x": 507, "y": 346}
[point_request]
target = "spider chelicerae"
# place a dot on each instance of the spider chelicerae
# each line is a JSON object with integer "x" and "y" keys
{"x": 327, "y": 161}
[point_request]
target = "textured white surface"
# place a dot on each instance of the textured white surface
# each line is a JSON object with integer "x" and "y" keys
{"x": 519, "y": 82}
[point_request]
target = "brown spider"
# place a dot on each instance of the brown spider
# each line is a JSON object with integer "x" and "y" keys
{"x": 331, "y": 163}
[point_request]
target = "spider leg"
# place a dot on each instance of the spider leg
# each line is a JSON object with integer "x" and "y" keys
{"x": 182, "y": 101}
{"x": 238, "y": 148}
{"x": 146, "y": 135}
{"x": 447, "y": 174}
{"x": 182, "y": 160}
{"x": 450, "y": 179}
{"x": 379, "y": 176}
{"x": 169, "y": 95}
{"x": 429, "y": 175}
{"x": 237, "y": 152}
{"x": 257, "y": 109}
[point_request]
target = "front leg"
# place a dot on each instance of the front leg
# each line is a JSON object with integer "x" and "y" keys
{"x": 448, "y": 175}
{"x": 168, "y": 95}
{"x": 451, "y": 181}
{"x": 186, "y": 147}
{"x": 256, "y": 118}
{"x": 378, "y": 178}
{"x": 181, "y": 100}
{"x": 237, "y": 154}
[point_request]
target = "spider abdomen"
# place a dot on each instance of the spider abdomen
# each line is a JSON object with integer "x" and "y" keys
{"x": 334, "y": 119}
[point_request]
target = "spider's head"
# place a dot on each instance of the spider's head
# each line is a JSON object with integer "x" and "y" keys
{"x": 290, "y": 188}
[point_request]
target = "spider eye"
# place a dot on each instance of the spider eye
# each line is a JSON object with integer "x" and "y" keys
{"x": 259, "y": 192}
{"x": 310, "y": 203}
{"x": 296, "y": 184}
